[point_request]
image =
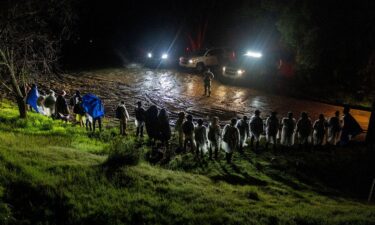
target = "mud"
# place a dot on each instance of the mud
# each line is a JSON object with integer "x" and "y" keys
{"x": 182, "y": 91}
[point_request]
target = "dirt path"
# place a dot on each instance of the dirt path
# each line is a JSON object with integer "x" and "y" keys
{"x": 178, "y": 91}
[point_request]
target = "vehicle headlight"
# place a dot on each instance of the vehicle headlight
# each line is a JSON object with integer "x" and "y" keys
{"x": 240, "y": 72}
{"x": 191, "y": 61}
{"x": 164, "y": 56}
{"x": 149, "y": 55}
{"x": 253, "y": 54}
{"x": 224, "y": 68}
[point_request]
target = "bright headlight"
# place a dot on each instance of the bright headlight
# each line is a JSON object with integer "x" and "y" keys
{"x": 164, "y": 56}
{"x": 224, "y": 68}
{"x": 191, "y": 61}
{"x": 253, "y": 54}
{"x": 149, "y": 55}
{"x": 240, "y": 72}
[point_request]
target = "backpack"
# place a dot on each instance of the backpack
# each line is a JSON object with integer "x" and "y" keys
{"x": 187, "y": 127}
{"x": 230, "y": 135}
{"x": 71, "y": 101}
{"x": 118, "y": 112}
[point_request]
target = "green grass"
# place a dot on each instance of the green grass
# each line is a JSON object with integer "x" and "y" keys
{"x": 55, "y": 173}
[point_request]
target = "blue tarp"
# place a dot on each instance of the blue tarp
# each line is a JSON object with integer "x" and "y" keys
{"x": 32, "y": 98}
{"x": 93, "y": 105}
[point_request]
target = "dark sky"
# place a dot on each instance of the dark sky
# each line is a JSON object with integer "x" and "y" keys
{"x": 133, "y": 27}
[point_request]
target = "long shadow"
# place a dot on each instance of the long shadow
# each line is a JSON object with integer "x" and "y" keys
{"x": 235, "y": 179}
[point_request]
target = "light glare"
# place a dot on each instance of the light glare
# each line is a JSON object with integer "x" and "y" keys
{"x": 253, "y": 54}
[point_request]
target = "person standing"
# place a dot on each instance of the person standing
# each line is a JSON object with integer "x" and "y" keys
{"x": 140, "y": 115}
{"x": 320, "y": 130}
{"x": 287, "y": 133}
{"x": 61, "y": 107}
{"x": 40, "y": 103}
{"x": 152, "y": 124}
{"x": 200, "y": 135}
{"x": 94, "y": 109}
{"x": 164, "y": 127}
{"x": 334, "y": 129}
{"x": 243, "y": 127}
{"x": 32, "y": 98}
{"x": 231, "y": 139}
{"x": 207, "y": 80}
{"x": 123, "y": 115}
{"x": 188, "y": 129}
{"x": 75, "y": 103}
{"x": 178, "y": 129}
{"x": 50, "y": 103}
{"x": 272, "y": 128}
{"x": 256, "y": 129}
{"x": 350, "y": 128}
{"x": 214, "y": 135}
{"x": 303, "y": 129}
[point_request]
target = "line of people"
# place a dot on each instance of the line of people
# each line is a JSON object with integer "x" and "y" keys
{"x": 286, "y": 131}
{"x": 201, "y": 139}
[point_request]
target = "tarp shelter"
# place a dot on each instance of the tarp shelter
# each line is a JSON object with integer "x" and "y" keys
{"x": 93, "y": 105}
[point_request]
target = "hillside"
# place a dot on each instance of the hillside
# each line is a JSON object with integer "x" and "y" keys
{"x": 56, "y": 173}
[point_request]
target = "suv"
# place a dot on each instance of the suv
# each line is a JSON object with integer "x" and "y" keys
{"x": 202, "y": 58}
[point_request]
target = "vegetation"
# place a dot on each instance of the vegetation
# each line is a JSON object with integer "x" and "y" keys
{"x": 31, "y": 35}
{"x": 55, "y": 173}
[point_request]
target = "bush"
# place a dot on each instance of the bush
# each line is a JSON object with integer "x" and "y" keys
{"x": 5, "y": 214}
{"x": 21, "y": 123}
{"x": 123, "y": 152}
{"x": 46, "y": 125}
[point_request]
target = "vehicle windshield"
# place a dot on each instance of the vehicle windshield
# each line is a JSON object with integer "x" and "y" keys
{"x": 197, "y": 53}
{"x": 243, "y": 62}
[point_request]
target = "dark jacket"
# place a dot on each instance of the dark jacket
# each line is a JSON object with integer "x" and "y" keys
{"x": 61, "y": 105}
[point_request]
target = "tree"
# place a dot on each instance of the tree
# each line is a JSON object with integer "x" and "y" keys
{"x": 370, "y": 138}
{"x": 31, "y": 34}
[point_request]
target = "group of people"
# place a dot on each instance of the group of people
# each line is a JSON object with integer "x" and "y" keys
{"x": 197, "y": 137}
{"x": 287, "y": 131}
{"x": 88, "y": 110}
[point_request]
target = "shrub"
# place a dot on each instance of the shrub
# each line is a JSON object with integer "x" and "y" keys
{"x": 46, "y": 125}
{"x": 5, "y": 214}
{"x": 21, "y": 123}
{"x": 123, "y": 152}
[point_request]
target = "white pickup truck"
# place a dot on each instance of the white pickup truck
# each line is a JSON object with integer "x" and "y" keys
{"x": 201, "y": 59}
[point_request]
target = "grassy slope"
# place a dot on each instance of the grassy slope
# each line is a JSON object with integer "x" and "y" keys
{"x": 52, "y": 173}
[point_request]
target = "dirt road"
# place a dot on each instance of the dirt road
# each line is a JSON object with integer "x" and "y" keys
{"x": 179, "y": 91}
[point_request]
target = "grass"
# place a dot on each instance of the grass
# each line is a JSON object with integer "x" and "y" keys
{"x": 55, "y": 173}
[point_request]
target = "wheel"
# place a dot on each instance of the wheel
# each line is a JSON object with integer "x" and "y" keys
{"x": 200, "y": 67}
